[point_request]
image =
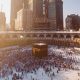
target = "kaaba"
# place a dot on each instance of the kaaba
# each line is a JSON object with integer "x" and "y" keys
{"x": 40, "y": 50}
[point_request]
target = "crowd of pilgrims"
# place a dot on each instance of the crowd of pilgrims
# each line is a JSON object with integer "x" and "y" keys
{"x": 24, "y": 62}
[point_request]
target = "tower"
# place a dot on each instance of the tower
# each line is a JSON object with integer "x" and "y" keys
{"x": 55, "y": 14}
{"x": 16, "y": 5}
{"x": 38, "y": 8}
{"x": 59, "y": 14}
{"x": 47, "y": 14}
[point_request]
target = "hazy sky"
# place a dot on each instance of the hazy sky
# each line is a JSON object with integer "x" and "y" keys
{"x": 5, "y": 7}
{"x": 69, "y": 7}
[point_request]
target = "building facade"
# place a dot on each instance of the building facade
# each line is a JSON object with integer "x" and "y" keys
{"x": 47, "y": 14}
{"x": 73, "y": 22}
{"x": 40, "y": 22}
{"x": 2, "y": 21}
{"x": 59, "y": 15}
{"x": 16, "y": 5}
{"x": 24, "y": 20}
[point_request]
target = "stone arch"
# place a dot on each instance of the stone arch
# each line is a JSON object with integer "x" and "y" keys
{"x": 55, "y": 36}
{"x": 76, "y": 36}
{"x": 48, "y": 35}
{"x": 68, "y": 36}
{"x": 61, "y": 36}
{"x": 28, "y": 35}
{"x": 34, "y": 35}
{"x": 41, "y": 35}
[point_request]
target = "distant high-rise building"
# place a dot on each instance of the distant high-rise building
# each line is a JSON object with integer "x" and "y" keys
{"x": 24, "y": 20}
{"x": 47, "y": 14}
{"x": 55, "y": 14}
{"x": 59, "y": 14}
{"x": 73, "y": 22}
{"x": 16, "y": 5}
{"x": 2, "y": 21}
{"x": 38, "y": 19}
